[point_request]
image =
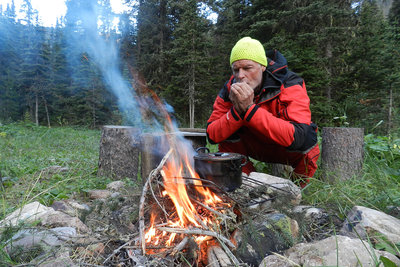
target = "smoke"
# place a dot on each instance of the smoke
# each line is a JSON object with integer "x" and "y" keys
{"x": 141, "y": 108}
{"x": 83, "y": 36}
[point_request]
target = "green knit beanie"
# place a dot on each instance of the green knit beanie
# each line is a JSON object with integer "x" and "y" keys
{"x": 248, "y": 48}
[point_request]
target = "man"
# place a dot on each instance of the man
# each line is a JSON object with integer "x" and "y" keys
{"x": 263, "y": 111}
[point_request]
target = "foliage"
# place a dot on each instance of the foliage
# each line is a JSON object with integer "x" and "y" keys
{"x": 346, "y": 51}
{"x": 378, "y": 187}
{"x": 27, "y": 152}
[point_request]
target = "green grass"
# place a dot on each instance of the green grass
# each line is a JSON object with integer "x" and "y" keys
{"x": 27, "y": 150}
{"x": 377, "y": 187}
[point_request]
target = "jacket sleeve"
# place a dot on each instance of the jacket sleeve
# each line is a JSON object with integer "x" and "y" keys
{"x": 293, "y": 129}
{"x": 223, "y": 122}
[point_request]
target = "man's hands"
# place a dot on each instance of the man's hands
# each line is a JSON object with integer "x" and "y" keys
{"x": 241, "y": 95}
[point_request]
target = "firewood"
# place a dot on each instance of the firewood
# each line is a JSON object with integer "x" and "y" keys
{"x": 219, "y": 214}
{"x": 180, "y": 246}
{"x": 196, "y": 231}
{"x": 146, "y": 186}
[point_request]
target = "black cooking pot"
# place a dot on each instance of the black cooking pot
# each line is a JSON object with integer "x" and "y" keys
{"x": 224, "y": 169}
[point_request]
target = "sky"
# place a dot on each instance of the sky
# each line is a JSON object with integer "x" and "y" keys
{"x": 50, "y": 10}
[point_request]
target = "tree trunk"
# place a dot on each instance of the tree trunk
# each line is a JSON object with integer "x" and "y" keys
{"x": 390, "y": 110}
{"x": 192, "y": 90}
{"x": 47, "y": 112}
{"x": 119, "y": 152}
{"x": 342, "y": 152}
{"x": 93, "y": 108}
{"x": 36, "y": 110}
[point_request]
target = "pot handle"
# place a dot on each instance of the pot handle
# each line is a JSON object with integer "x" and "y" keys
{"x": 203, "y": 148}
{"x": 245, "y": 161}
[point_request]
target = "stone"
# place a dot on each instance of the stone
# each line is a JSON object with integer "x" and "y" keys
{"x": 55, "y": 169}
{"x": 332, "y": 251}
{"x": 285, "y": 190}
{"x": 116, "y": 186}
{"x": 29, "y": 213}
{"x": 60, "y": 219}
{"x": 71, "y": 208}
{"x": 99, "y": 194}
{"x": 362, "y": 221}
{"x": 266, "y": 234}
{"x": 29, "y": 243}
{"x": 61, "y": 259}
{"x": 78, "y": 206}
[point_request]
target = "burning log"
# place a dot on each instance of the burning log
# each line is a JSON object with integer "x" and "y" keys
{"x": 153, "y": 174}
{"x": 198, "y": 232}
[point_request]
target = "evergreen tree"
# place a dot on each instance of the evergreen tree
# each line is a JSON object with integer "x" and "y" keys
{"x": 153, "y": 40}
{"x": 190, "y": 68}
{"x": 368, "y": 69}
{"x": 10, "y": 98}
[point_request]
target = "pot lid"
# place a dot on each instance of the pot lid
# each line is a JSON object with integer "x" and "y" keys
{"x": 219, "y": 156}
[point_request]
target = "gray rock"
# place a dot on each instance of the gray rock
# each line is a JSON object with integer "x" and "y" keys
{"x": 99, "y": 194}
{"x": 29, "y": 213}
{"x": 71, "y": 208}
{"x": 61, "y": 259}
{"x": 55, "y": 169}
{"x": 29, "y": 243}
{"x": 332, "y": 251}
{"x": 362, "y": 221}
{"x": 285, "y": 190}
{"x": 116, "y": 186}
{"x": 60, "y": 219}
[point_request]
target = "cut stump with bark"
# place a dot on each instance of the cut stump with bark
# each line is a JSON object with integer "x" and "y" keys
{"x": 342, "y": 152}
{"x": 119, "y": 152}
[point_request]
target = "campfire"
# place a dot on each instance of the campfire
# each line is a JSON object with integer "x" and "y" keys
{"x": 183, "y": 213}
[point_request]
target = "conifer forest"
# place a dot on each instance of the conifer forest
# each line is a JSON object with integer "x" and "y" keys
{"x": 348, "y": 53}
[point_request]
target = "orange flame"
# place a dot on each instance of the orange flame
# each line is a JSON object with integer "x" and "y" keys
{"x": 187, "y": 214}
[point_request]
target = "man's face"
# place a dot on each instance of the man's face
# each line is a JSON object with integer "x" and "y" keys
{"x": 249, "y": 72}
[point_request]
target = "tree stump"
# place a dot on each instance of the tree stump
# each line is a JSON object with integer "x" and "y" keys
{"x": 342, "y": 152}
{"x": 153, "y": 149}
{"x": 119, "y": 152}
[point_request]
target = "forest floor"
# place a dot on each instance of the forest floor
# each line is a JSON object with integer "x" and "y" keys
{"x": 27, "y": 151}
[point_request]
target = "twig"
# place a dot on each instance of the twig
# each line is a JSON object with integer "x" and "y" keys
{"x": 180, "y": 246}
{"x": 223, "y": 216}
{"x": 159, "y": 204}
{"x": 286, "y": 259}
{"x": 152, "y": 174}
{"x": 196, "y": 231}
{"x": 229, "y": 253}
{"x": 116, "y": 251}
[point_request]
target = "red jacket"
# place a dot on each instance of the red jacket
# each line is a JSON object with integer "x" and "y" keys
{"x": 281, "y": 114}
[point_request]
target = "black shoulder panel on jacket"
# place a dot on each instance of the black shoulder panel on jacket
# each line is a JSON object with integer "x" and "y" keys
{"x": 293, "y": 79}
{"x": 223, "y": 93}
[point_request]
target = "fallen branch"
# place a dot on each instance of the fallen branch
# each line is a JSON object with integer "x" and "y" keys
{"x": 195, "y": 231}
{"x": 223, "y": 216}
{"x": 146, "y": 186}
{"x": 116, "y": 251}
{"x": 180, "y": 246}
{"x": 229, "y": 253}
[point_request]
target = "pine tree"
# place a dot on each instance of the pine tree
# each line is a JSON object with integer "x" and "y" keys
{"x": 153, "y": 40}
{"x": 190, "y": 63}
{"x": 313, "y": 36}
{"x": 10, "y": 98}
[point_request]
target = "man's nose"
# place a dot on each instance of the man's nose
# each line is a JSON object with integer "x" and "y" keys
{"x": 240, "y": 74}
